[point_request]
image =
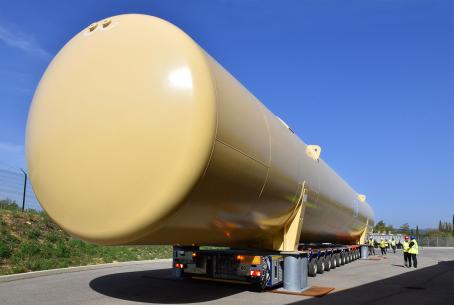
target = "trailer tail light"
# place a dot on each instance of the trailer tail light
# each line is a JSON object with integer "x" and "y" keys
{"x": 179, "y": 266}
{"x": 194, "y": 254}
{"x": 249, "y": 259}
{"x": 255, "y": 273}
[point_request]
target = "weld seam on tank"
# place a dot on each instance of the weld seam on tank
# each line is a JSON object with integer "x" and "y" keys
{"x": 243, "y": 153}
{"x": 216, "y": 99}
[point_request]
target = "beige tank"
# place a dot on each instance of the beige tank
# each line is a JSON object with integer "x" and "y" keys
{"x": 137, "y": 136}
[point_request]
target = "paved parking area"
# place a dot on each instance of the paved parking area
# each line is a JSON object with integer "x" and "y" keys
{"x": 384, "y": 281}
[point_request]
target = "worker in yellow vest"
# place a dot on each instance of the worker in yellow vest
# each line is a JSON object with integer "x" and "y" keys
{"x": 383, "y": 246}
{"x": 371, "y": 246}
{"x": 393, "y": 245}
{"x": 405, "y": 247}
{"x": 413, "y": 252}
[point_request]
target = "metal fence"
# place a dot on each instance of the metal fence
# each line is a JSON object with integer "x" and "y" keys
{"x": 12, "y": 184}
{"x": 436, "y": 241}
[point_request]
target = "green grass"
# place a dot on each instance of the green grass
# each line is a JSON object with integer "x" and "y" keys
{"x": 30, "y": 241}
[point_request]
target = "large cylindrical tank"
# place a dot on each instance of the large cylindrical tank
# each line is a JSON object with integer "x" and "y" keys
{"x": 137, "y": 136}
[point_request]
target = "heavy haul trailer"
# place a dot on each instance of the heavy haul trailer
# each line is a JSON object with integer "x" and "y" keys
{"x": 137, "y": 136}
{"x": 264, "y": 269}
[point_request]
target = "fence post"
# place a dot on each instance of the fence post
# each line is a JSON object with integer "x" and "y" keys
{"x": 25, "y": 189}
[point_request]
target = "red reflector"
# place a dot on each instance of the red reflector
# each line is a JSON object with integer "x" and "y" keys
{"x": 179, "y": 266}
{"x": 255, "y": 273}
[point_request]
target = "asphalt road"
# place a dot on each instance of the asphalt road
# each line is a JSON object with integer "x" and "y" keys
{"x": 383, "y": 281}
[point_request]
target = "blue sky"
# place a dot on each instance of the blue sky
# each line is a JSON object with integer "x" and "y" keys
{"x": 372, "y": 82}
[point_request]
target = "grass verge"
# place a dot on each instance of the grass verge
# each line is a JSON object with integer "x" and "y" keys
{"x": 30, "y": 241}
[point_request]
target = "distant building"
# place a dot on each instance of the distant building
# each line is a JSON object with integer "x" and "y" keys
{"x": 399, "y": 238}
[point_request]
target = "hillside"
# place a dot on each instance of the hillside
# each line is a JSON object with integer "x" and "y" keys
{"x": 30, "y": 241}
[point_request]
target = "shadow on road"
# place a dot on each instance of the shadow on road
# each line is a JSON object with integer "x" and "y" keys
{"x": 157, "y": 286}
{"x": 430, "y": 285}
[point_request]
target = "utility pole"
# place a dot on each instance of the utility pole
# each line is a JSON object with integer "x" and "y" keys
{"x": 25, "y": 189}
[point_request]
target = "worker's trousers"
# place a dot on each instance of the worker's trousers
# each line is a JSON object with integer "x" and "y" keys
{"x": 383, "y": 251}
{"x": 406, "y": 260}
{"x": 371, "y": 250}
{"x": 412, "y": 257}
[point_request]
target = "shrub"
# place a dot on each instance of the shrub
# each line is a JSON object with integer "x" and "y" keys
{"x": 8, "y": 204}
{"x": 5, "y": 251}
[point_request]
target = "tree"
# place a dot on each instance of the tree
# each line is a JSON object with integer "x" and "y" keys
{"x": 440, "y": 226}
{"x": 417, "y": 231}
{"x": 380, "y": 226}
{"x": 405, "y": 229}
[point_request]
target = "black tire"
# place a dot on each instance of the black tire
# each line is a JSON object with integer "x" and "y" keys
{"x": 343, "y": 258}
{"x": 338, "y": 260}
{"x": 320, "y": 265}
{"x": 333, "y": 259}
{"x": 260, "y": 286}
{"x": 312, "y": 268}
{"x": 327, "y": 263}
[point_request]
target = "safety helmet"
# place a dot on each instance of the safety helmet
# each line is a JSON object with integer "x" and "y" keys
{"x": 412, "y": 237}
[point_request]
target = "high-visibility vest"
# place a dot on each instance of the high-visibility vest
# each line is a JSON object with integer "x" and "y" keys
{"x": 371, "y": 242}
{"x": 393, "y": 243}
{"x": 406, "y": 246}
{"x": 382, "y": 244}
{"x": 414, "y": 248}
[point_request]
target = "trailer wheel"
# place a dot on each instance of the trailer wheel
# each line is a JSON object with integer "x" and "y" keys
{"x": 348, "y": 257}
{"x": 333, "y": 259}
{"x": 312, "y": 268}
{"x": 261, "y": 285}
{"x": 343, "y": 258}
{"x": 357, "y": 254}
{"x": 327, "y": 263}
{"x": 320, "y": 265}
{"x": 338, "y": 260}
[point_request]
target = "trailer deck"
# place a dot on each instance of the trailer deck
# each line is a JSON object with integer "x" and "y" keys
{"x": 263, "y": 269}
